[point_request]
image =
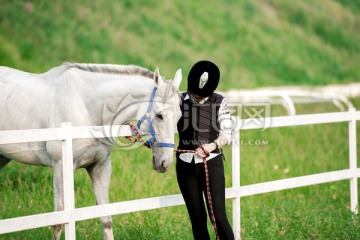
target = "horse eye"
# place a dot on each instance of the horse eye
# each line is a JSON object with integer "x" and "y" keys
{"x": 158, "y": 115}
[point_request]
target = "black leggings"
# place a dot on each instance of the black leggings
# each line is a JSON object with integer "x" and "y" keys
{"x": 191, "y": 180}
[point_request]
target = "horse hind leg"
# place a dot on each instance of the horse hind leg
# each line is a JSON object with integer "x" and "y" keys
{"x": 4, "y": 161}
{"x": 100, "y": 174}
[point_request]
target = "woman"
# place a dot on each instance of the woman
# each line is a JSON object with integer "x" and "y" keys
{"x": 202, "y": 128}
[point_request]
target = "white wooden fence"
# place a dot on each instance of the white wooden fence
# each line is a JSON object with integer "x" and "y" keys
{"x": 290, "y": 95}
{"x": 71, "y": 214}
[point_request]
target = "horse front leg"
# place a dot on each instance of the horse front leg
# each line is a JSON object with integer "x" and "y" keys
{"x": 100, "y": 174}
{"x": 58, "y": 195}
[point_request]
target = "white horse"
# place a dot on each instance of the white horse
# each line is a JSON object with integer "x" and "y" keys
{"x": 87, "y": 95}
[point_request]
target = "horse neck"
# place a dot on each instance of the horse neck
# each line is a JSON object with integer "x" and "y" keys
{"x": 118, "y": 98}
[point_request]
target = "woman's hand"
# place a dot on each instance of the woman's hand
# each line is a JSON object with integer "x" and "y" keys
{"x": 208, "y": 147}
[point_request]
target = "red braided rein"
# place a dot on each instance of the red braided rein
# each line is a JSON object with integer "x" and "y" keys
{"x": 208, "y": 191}
{"x": 205, "y": 169}
{"x": 138, "y": 136}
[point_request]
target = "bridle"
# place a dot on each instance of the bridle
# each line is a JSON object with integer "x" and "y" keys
{"x": 152, "y": 142}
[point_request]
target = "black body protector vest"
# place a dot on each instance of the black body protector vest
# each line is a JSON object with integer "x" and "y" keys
{"x": 199, "y": 122}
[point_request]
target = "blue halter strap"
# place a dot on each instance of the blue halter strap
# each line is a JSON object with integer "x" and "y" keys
{"x": 152, "y": 142}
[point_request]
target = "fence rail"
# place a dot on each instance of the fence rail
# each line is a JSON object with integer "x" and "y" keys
{"x": 70, "y": 214}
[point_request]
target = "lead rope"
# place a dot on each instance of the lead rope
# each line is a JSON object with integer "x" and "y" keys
{"x": 212, "y": 214}
{"x": 207, "y": 181}
{"x": 138, "y": 136}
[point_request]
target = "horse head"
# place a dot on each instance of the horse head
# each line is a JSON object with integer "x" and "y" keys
{"x": 160, "y": 120}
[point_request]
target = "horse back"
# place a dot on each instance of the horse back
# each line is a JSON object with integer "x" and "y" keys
{"x": 38, "y": 101}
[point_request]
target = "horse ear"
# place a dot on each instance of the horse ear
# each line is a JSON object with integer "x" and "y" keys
{"x": 177, "y": 78}
{"x": 157, "y": 78}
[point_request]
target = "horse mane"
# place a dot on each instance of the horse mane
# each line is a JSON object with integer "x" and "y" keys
{"x": 111, "y": 68}
{"x": 119, "y": 69}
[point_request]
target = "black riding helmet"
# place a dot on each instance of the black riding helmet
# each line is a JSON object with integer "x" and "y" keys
{"x": 203, "y": 78}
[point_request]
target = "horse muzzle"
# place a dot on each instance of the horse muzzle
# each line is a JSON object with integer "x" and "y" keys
{"x": 161, "y": 166}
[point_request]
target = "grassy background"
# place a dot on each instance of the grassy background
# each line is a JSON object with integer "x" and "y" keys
{"x": 255, "y": 43}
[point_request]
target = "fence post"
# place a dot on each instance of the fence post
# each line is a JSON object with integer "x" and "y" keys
{"x": 236, "y": 182}
{"x": 353, "y": 162}
{"x": 68, "y": 180}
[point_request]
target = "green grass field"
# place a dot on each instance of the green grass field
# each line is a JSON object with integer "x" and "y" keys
{"x": 255, "y": 43}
